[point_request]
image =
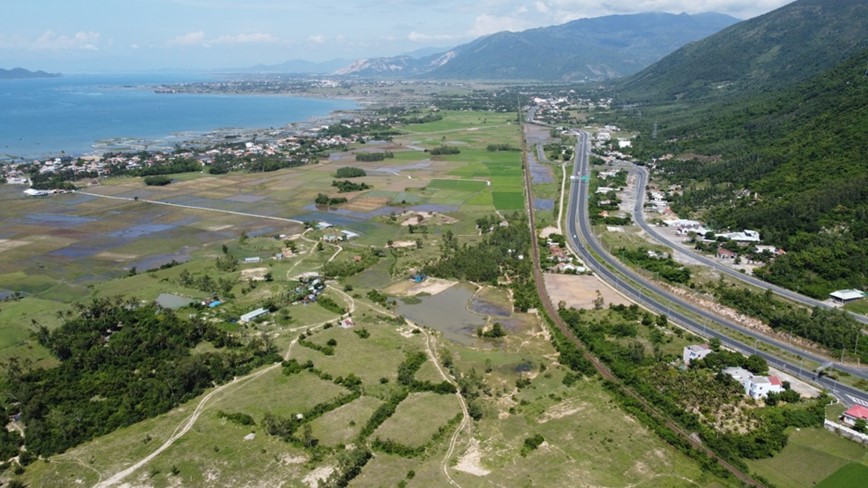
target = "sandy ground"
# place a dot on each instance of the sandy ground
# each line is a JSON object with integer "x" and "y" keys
{"x": 580, "y": 291}
{"x": 399, "y": 244}
{"x": 254, "y": 274}
{"x": 547, "y": 231}
{"x": 313, "y": 478}
{"x": 427, "y": 218}
{"x": 432, "y": 286}
{"x": 561, "y": 410}
{"x": 471, "y": 461}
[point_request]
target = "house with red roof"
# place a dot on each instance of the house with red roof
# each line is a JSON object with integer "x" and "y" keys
{"x": 854, "y": 413}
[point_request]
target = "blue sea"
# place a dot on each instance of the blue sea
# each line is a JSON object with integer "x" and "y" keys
{"x": 42, "y": 117}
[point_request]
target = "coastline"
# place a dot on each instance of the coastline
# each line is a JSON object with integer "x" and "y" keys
{"x": 172, "y": 139}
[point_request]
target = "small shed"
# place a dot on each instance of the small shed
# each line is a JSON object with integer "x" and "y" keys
{"x": 845, "y": 296}
{"x": 252, "y": 315}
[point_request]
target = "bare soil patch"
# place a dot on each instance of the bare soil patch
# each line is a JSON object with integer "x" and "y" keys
{"x": 580, "y": 291}
{"x": 431, "y": 286}
{"x": 547, "y": 231}
{"x": 471, "y": 461}
{"x": 254, "y": 274}
{"x": 561, "y": 410}
{"x": 427, "y": 218}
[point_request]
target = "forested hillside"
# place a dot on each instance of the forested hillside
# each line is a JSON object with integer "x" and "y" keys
{"x": 119, "y": 363}
{"x": 792, "y": 163}
{"x": 782, "y": 47}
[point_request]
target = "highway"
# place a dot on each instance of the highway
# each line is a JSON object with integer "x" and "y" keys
{"x": 639, "y": 217}
{"x": 582, "y": 240}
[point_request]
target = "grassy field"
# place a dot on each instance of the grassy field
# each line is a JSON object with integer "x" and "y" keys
{"x": 859, "y": 306}
{"x": 811, "y": 456}
{"x": 850, "y": 476}
{"x": 404, "y": 427}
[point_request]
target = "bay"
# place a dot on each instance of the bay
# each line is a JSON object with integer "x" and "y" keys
{"x": 42, "y": 117}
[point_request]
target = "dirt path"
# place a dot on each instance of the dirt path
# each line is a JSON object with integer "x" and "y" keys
{"x": 466, "y": 415}
{"x": 430, "y": 350}
{"x": 191, "y": 207}
{"x": 203, "y": 404}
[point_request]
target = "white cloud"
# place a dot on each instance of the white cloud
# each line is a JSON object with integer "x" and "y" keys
{"x": 422, "y": 37}
{"x": 318, "y": 39}
{"x": 489, "y": 24}
{"x": 199, "y": 38}
{"x": 49, "y": 41}
{"x": 256, "y": 37}
{"x": 563, "y": 10}
{"x": 189, "y": 39}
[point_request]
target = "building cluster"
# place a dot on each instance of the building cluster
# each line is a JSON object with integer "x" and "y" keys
{"x": 301, "y": 147}
{"x": 755, "y": 386}
{"x": 562, "y": 261}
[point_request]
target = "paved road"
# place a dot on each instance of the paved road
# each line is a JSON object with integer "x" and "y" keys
{"x": 581, "y": 238}
{"x": 638, "y": 216}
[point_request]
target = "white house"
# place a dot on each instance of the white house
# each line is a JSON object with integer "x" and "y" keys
{"x": 756, "y": 387}
{"x": 744, "y": 236}
{"x": 761, "y": 386}
{"x": 854, "y": 413}
{"x": 695, "y": 352}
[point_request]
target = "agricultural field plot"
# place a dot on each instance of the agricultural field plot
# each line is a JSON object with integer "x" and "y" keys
{"x": 373, "y": 358}
{"x": 418, "y": 418}
{"x": 279, "y": 394}
{"x": 810, "y": 457}
{"x": 342, "y": 425}
{"x": 850, "y": 476}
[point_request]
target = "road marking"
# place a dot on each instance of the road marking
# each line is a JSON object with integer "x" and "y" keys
{"x": 858, "y": 400}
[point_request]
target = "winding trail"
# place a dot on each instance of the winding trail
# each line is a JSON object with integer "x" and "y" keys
{"x": 465, "y": 421}
{"x": 203, "y": 404}
{"x": 191, "y": 207}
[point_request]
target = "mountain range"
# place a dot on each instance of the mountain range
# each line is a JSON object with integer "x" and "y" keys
{"x": 784, "y": 46}
{"x": 766, "y": 121}
{"x": 21, "y": 74}
{"x": 586, "y": 49}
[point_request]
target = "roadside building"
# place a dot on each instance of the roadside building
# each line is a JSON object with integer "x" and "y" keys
{"x": 695, "y": 352}
{"x": 854, "y": 413}
{"x": 755, "y": 386}
{"x": 723, "y": 253}
{"x": 846, "y": 296}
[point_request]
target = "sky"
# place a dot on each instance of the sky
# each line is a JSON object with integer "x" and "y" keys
{"x": 122, "y": 35}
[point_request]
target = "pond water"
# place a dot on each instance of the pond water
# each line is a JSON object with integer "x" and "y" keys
{"x": 173, "y": 302}
{"x": 447, "y": 312}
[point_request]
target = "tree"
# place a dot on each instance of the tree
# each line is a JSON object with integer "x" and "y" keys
{"x": 756, "y": 364}
{"x": 860, "y": 426}
{"x": 715, "y": 344}
{"x": 598, "y": 301}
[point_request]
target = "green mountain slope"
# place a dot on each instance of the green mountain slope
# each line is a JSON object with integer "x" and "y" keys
{"x": 593, "y": 49}
{"x": 792, "y": 163}
{"x": 786, "y": 45}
